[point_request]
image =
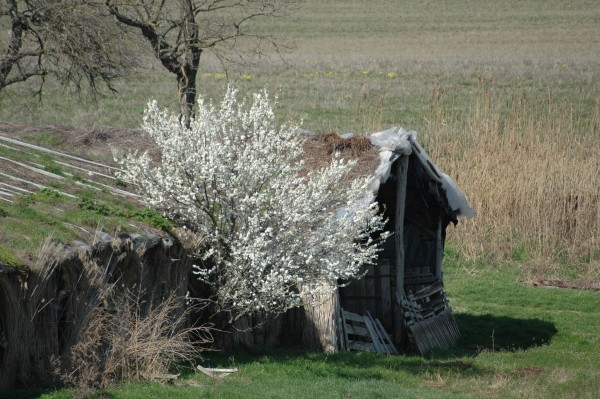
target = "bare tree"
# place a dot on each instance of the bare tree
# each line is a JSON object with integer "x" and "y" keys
{"x": 74, "y": 40}
{"x": 180, "y": 31}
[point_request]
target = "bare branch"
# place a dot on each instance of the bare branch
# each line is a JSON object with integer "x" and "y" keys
{"x": 73, "y": 40}
{"x": 180, "y": 32}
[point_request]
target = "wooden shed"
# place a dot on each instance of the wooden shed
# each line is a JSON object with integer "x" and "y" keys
{"x": 403, "y": 293}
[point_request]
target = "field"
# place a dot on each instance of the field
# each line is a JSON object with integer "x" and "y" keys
{"x": 505, "y": 97}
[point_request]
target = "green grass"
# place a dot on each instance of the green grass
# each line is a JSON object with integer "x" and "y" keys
{"x": 48, "y": 213}
{"x": 517, "y": 341}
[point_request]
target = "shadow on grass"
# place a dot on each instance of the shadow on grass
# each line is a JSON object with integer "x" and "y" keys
{"x": 27, "y": 393}
{"x": 354, "y": 366}
{"x": 479, "y": 333}
{"x": 500, "y": 333}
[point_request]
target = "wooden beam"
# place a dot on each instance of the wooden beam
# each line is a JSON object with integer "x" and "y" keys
{"x": 439, "y": 251}
{"x": 401, "y": 173}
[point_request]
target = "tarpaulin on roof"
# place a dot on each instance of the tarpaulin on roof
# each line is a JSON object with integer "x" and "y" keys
{"x": 395, "y": 142}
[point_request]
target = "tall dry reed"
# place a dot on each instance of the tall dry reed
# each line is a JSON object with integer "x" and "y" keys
{"x": 530, "y": 166}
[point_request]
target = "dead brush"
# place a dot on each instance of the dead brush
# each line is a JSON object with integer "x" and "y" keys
{"x": 124, "y": 342}
{"x": 116, "y": 333}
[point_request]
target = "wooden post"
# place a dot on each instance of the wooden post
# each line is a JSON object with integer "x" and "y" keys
{"x": 401, "y": 180}
{"x": 439, "y": 251}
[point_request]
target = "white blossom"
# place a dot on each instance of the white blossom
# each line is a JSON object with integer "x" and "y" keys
{"x": 237, "y": 179}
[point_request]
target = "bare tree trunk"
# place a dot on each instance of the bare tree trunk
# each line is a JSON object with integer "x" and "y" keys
{"x": 321, "y": 310}
{"x": 187, "y": 95}
{"x": 177, "y": 39}
{"x": 184, "y": 64}
{"x": 15, "y": 44}
{"x": 186, "y": 79}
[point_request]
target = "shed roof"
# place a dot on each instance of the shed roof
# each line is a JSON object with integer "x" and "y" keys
{"x": 395, "y": 142}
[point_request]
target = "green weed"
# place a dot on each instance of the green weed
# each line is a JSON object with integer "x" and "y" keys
{"x": 148, "y": 216}
{"x": 44, "y": 138}
{"x": 7, "y": 256}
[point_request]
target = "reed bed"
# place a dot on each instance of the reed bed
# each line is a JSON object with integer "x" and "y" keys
{"x": 530, "y": 167}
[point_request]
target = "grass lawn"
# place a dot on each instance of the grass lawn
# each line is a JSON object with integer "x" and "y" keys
{"x": 517, "y": 341}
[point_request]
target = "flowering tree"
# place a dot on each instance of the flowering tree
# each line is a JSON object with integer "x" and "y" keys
{"x": 271, "y": 230}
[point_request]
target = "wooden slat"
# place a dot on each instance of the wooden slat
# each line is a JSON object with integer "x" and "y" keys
{"x": 370, "y": 290}
{"x": 386, "y": 338}
{"x": 361, "y": 346}
{"x": 439, "y": 249}
{"x": 40, "y": 186}
{"x": 15, "y": 188}
{"x": 33, "y": 168}
{"x": 376, "y": 337}
{"x": 356, "y": 330}
{"x": 373, "y": 334}
{"x": 359, "y": 330}
{"x": 49, "y": 151}
{"x": 87, "y": 171}
{"x": 6, "y": 193}
{"x": 429, "y": 319}
{"x": 344, "y": 331}
{"x": 352, "y": 316}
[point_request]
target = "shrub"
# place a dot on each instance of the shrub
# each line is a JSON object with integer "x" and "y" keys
{"x": 269, "y": 227}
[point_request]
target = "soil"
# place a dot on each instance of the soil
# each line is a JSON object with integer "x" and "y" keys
{"x": 574, "y": 284}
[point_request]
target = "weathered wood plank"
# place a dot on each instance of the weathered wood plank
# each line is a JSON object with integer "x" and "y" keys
{"x": 352, "y": 329}
{"x": 15, "y": 188}
{"x": 439, "y": 249}
{"x": 391, "y": 348}
{"x": 402, "y": 179}
{"x": 33, "y": 168}
{"x": 216, "y": 373}
{"x": 371, "y": 297}
{"x": 344, "y": 331}
{"x": 40, "y": 186}
{"x": 386, "y": 294}
{"x": 89, "y": 172}
{"x": 373, "y": 334}
{"x": 352, "y": 316}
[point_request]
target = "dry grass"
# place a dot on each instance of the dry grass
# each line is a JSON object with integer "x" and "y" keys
{"x": 122, "y": 336}
{"x": 70, "y": 320}
{"x": 530, "y": 168}
{"x": 121, "y": 342}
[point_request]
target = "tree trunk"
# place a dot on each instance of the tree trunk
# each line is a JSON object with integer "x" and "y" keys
{"x": 186, "y": 84}
{"x": 181, "y": 58}
{"x": 16, "y": 41}
{"x": 186, "y": 79}
{"x": 321, "y": 313}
